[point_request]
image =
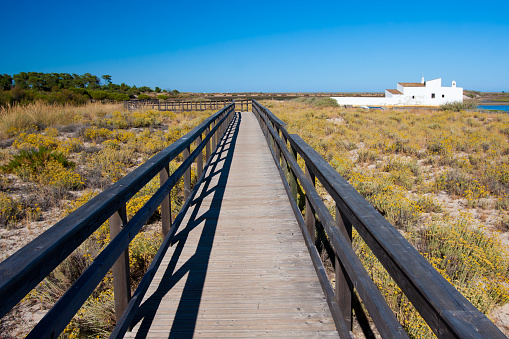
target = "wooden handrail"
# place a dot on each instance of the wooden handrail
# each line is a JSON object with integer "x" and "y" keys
{"x": 22, "y": 271}
{"x": 447, "y": 312}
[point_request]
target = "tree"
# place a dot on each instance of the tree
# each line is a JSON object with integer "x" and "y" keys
{"x": 124, "y": 88}
{"x": 107, "y": 78}
{"x": 157, "y": 90}
{"x": 145, "y": 89}
{"x": 90, "y": 80}
{"x": 21, "y": 80}
{"x": 66, "y": 80}
{"x": 5, "y": 82}
{"x": 36, "y": 81}
{"x": 78, "y": 81}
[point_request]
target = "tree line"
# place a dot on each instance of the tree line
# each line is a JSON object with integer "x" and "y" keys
{"x": 65, "y": 88}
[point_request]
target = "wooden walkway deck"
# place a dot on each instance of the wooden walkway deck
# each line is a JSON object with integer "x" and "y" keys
{"x": 239, "y": 267}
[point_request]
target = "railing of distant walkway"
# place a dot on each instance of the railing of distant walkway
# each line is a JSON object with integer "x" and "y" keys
{"x": 22, "y": 271}
{"x": 183, "y": 106}
{"x": 447, "y": 312}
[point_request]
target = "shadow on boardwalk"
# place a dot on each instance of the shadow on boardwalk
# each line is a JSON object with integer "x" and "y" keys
{"x": 196, "y": 267}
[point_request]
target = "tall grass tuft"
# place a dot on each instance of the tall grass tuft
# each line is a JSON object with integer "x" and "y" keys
{"x": 458, "y": 106}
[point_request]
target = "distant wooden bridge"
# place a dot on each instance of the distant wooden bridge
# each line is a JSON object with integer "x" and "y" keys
{"x": 183, "y": 105}
{"x": 240, "y": 259}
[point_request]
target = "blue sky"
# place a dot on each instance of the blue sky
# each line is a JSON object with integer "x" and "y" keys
{"x": 262, "y": 46}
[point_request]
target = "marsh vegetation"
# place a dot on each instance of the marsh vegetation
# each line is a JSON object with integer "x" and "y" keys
{"x": 440, "y": 177}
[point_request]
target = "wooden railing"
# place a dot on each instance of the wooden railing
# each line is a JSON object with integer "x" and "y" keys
{"x": 22, "y": 271}
{"x": 448, "y": 313}
{"x": 184, "y": 106}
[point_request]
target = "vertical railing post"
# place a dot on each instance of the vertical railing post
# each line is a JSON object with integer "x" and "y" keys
{"x": 120, "y": 269}
{"x": 187, "y": 174}
{"x": 222, "y": 127}
{"x": 199, "y": 159}
{"x": 214, "y": 136}
{"x": 293, "y": 177}
{"x": 207, "y": 146}
{"x": 166, "y": 204}
{"x": 310, "y": 214}
{"x": 344, "y": 286}
{"x": 278, "y": 152}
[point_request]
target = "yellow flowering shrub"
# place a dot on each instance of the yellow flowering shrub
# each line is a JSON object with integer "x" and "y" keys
{"x": 58, "y": 176}
{"x": 70, "y": 145}
{"x": 142, "y": 250}
{"x": 94, "y": 133}
{"x": 96, "y": 318}
{"x": 28, "y": 141}
{"x": 390, "y": 158}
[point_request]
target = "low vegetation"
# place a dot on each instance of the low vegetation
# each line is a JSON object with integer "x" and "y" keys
{"x": 318, "y": 101}
{"x": 441, "y": 177}
{"x": 56, "y": 160}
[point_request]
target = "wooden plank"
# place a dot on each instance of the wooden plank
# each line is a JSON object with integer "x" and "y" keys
{"x": 240, "y": 265}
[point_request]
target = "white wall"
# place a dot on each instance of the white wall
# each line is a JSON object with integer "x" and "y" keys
{"x": 422, "y": 96}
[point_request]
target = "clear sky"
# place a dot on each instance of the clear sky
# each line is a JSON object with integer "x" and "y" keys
{"x": 262, "y": 46}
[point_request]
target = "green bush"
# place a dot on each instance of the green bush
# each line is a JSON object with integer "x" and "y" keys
{"x": 65, "y": 97}
{"x": 320, "y": 102}
{"x": 121, "y": 97}
{"x": 99, "y": 95}
{"x": 32, "y": 162}
{"x": 143, "y": 96}
{"x": 459, "y": 106}
{"x": 162, "y": 97}
{"x": 6, "y": 98}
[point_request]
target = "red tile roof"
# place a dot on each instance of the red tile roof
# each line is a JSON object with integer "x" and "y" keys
{"x": 412, "y": 84}
{"x": 394, "y": 91}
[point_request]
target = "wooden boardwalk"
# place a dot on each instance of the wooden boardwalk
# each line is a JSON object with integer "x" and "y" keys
{"x": 239, "y": 266}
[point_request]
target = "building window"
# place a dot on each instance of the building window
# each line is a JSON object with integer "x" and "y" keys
{"x": 443, "y": 95}
{"x": 413, "y": 96}
{"x": 432, "y": 95}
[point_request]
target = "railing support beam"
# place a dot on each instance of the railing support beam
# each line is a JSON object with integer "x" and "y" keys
{"x": 207, "y": 147}
{"x": 187, "y": 175}
{"x": 120, "y": 269}
{"x": 199, "y": 159}
{"x": 344, "y": 286}
{"x": 310, "y": 214}
{"x": 166, "y": 204}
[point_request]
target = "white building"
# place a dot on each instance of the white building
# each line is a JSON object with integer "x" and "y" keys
{"x": 424, "y": 93}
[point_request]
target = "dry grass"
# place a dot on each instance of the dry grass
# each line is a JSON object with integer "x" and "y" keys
{"x": 404, "y": 163}
{"x": 104, "y": 144}
{"x": 40, "y": 115}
